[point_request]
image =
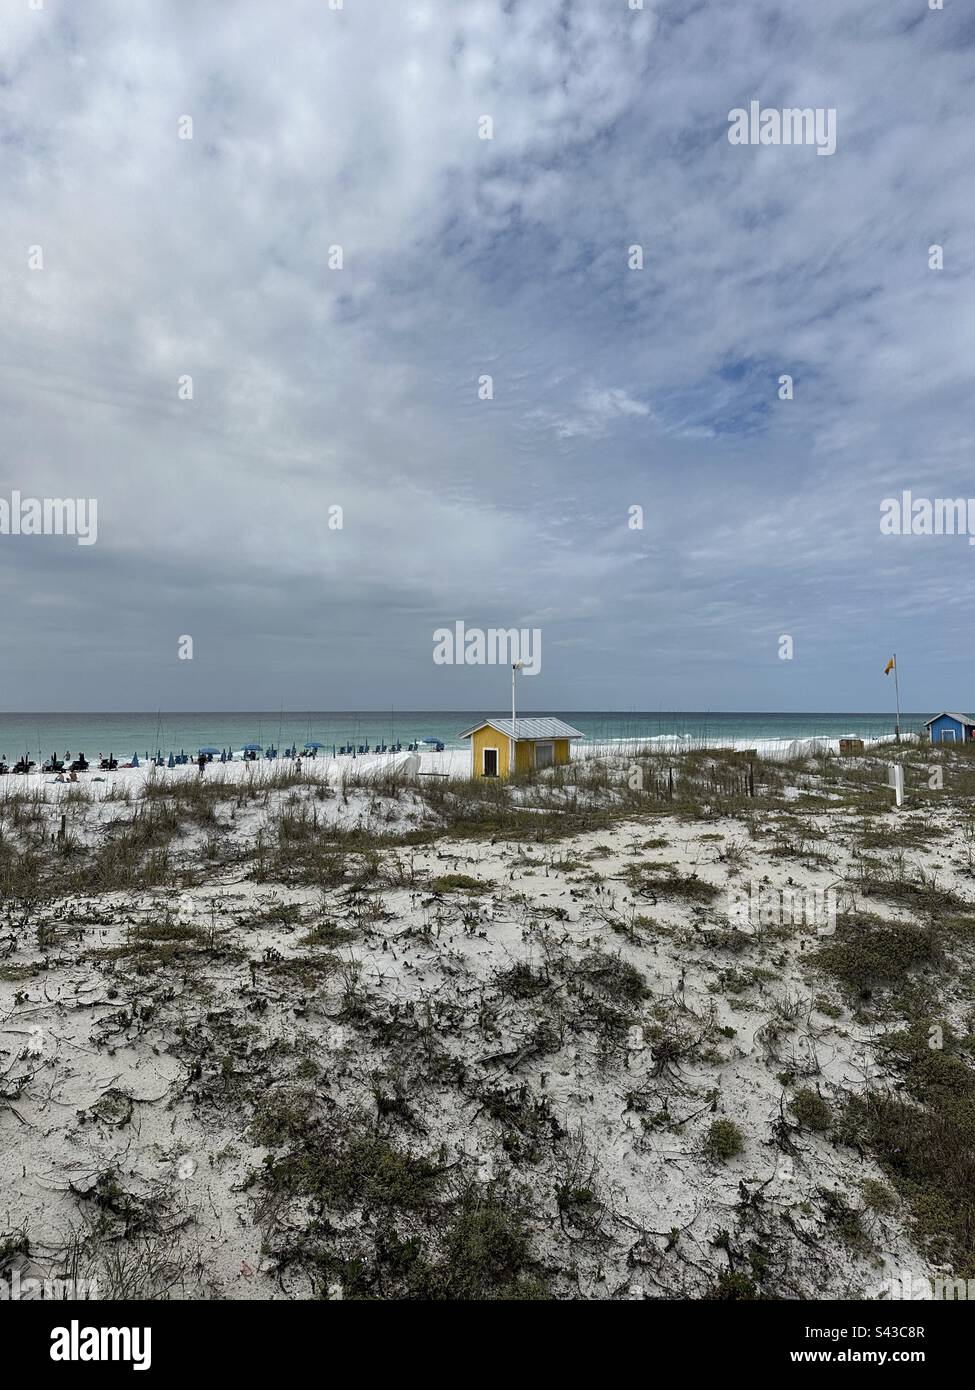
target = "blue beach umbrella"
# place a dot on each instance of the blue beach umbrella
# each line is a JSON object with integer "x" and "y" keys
{"x": 171, "y": 761}
{"x": 431, "y": 740}
{"x": 135, "y": 760}
{"x": 316, "y": 745}
{"x": 208, "y": 751}
{"x": 253, "y": 748}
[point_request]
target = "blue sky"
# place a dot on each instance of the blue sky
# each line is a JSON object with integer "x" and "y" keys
{"x": 357, "y": 387}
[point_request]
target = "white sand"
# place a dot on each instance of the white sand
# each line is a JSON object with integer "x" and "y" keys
{"x": 83, "y": 1033}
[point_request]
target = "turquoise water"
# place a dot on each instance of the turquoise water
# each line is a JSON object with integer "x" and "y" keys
{"x": 125, "y": 734}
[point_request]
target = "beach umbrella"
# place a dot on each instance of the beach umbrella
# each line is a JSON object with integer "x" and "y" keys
{"x": 171, "y": 761}
{"x": 253, "y": 748}
{"x": 135, "y": 760}
{"x": 316, "y": 745}
{"x": 431, "y": 740}
{"x": 223, "y": 755}
{"x": 208, "y": 751}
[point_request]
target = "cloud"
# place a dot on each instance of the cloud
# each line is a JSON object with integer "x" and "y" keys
{"x": 596, "y": 412}
{"x": 462, "y": 257}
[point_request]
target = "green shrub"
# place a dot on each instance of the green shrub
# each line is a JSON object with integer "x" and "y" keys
{"x": 811, "y": 1110}
{"x": 724, "y": 1140}
{"x": 458, "y": 883}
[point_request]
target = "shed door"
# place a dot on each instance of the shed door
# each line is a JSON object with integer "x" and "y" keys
{"x": 947, "y": 735}
{"x": 490, "y": 762}
{"x": 544, "y": 754}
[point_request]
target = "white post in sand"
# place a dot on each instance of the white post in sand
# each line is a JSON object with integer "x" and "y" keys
{"x": 897, "y": 698}
{"x": 896, "y": 771}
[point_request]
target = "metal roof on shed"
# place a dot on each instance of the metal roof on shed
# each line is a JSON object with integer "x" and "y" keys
{"x": 532, "y": 729}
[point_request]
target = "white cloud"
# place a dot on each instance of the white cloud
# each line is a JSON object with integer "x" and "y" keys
{"x": 359, "y": 127}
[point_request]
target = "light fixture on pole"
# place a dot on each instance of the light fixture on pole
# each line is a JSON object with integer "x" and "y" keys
{"x": 517, "y": 666}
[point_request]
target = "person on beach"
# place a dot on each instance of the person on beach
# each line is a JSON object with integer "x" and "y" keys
{"x": 201, "y": 763}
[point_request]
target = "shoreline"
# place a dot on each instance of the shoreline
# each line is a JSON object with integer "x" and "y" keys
{"x": 452, "y": 762}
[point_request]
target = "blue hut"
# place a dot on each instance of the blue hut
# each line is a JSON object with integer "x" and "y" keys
{"x": 947, "y": 727}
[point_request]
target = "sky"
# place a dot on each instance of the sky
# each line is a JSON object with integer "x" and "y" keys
{"x": 362, "y": 386}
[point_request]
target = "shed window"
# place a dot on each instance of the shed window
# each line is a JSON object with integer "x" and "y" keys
{"x": 544, "y": 754}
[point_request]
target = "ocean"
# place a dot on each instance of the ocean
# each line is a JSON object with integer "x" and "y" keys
{"x": 97, "y": 735}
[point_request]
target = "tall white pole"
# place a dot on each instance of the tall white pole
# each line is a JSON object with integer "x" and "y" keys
{"x": 516, "y": 666}
{"x": 897, "y": 698}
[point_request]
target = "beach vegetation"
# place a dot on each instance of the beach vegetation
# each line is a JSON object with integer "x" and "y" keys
{"x": 724, "y": 1140}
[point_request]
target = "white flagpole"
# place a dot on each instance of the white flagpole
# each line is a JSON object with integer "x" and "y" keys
{"x": 897, "y": 698}
{"x": 515, "y": 667}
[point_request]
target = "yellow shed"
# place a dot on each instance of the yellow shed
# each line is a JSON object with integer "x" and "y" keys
{"x": 499, "y": 748}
